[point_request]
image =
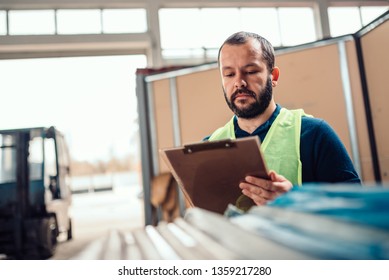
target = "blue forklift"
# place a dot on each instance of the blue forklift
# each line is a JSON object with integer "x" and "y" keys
{"x": 35, "y": 194}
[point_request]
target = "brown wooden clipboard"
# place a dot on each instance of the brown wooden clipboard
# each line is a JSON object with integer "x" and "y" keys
{"x": 209, "y": 173}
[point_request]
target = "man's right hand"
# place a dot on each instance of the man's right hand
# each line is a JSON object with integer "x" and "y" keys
{"x": 261, "y": 191}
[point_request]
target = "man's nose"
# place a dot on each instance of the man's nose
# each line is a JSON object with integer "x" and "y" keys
{"x": 240, "y": 82}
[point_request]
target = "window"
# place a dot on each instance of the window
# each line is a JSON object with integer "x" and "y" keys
{"x": 297, "y": 26}
{"x": 79, "y": 22}
{"x": 73, "y": 21}
{"x": 217, "y": 25}
{"x": 3, "y": 23}
{"x": 7, "y": 159}
{"x": 346, "y": 20}
{"x": 124, "y": 20}
{"x": 343, "y": 20}
{"x": 50, "y": 157}
{"x": 50, "y": 161}
{"x": 263, "y": 21}
{"x": 200, "y": 32}
{"x": 31, "y": 22}
{"x": 368, "y": 14}
{"x": 197, "y": 28}
{"x": 35, "y": 158}
{"x": 181, "y": 40}
{"x": 187, "y": 34}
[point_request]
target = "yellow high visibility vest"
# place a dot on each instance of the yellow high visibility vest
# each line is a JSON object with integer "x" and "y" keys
{"x": 281, "y": 146}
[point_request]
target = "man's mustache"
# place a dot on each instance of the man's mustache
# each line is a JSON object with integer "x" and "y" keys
{"x": 242, "y": 91}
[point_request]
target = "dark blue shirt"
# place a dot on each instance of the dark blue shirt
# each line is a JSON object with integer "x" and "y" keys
{"x": 323, "y": 156}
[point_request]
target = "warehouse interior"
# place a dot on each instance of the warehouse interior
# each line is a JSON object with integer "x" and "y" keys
{"x": 123, "y": 79}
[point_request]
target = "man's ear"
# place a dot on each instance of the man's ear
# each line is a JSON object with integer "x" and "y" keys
{"x": 275, "y": 75}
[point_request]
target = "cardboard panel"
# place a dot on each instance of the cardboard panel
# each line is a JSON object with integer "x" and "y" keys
{"x": 201, "y": 104}
{"x": 163, "y": 117}
{"x": 310, "y": 79}
{"x": 375, "y": 46}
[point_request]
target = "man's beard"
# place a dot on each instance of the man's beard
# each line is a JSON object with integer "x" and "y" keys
{"x": 255, "y": 109}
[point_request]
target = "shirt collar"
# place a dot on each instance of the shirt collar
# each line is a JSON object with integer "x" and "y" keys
{"x": 260, "y": 129}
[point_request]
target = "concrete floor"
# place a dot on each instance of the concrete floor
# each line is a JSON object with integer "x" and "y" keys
{"x": 95, "y": 214}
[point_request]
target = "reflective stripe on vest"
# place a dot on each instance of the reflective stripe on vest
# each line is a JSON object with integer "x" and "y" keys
{"x": 281, "y": 146}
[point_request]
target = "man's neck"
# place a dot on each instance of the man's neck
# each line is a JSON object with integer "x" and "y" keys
{"x": 250, "y": 125}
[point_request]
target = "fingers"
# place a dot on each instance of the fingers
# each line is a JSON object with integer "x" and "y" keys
{"x": 277, "y": 182}
{"x": 256, "y": 191}
{"x": 263, "y": 183}
{"x": 261, "y": 190}
{"x": 273, "y": 175}
{"x": 258, "y": 200}
{"x": 259, "y": 195}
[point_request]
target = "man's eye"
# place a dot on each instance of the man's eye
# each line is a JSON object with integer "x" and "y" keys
{"x": 228, "y": 74}
{"x": 251, "y": 72}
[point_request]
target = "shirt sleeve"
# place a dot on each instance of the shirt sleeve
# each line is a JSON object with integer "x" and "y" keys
{"x": 331, "y": 162}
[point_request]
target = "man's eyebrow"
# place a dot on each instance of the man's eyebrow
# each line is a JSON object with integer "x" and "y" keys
{"x": 226, "y": 67}
{"x": 245, "y": 66}
{"x": 251, "y": 65}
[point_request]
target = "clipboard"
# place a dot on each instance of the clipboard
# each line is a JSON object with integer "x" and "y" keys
{"x": 209, "y": 173}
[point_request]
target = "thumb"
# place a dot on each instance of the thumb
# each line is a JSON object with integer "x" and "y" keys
{"x": 272, "y": 175}
{"x": 275, "y": 177}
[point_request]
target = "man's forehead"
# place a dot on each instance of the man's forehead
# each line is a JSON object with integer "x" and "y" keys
{"x": 250, "y": 51}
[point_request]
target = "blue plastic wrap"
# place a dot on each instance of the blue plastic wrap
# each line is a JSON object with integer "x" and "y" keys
{"x": 325, "y": 221}
{"x": 364, "y": 205}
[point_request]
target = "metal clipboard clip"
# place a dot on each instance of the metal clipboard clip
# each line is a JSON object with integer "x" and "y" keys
{"x": 212, "y": 145}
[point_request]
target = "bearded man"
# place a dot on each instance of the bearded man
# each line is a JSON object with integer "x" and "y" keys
{"x": 298, "y": 148}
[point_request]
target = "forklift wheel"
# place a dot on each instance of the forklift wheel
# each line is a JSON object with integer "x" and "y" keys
{"x": 48, "y": 237}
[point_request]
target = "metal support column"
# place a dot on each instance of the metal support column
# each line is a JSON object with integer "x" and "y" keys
{"x": 349, "y": 105}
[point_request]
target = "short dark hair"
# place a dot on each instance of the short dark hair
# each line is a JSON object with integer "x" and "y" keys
{"x": 242, "y": 37}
